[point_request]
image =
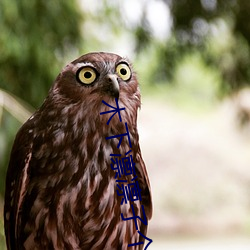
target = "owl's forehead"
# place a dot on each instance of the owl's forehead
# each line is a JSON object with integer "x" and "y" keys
{"x": 99, "y": 60}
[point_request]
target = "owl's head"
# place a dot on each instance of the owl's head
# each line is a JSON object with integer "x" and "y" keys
{"x": 98, "y": 76}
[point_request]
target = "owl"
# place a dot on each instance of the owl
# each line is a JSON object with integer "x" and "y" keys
{"x": 64, "y": 181}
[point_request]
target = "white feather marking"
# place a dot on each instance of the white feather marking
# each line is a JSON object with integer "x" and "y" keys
{"x": 82, "y": 64}
{"x": 11, "y": 193}
{"x": 105, "y": 200}
{"x": 22, "y": 188}
{"x": 7, "y": 216}
{"x": 31, "y": 117}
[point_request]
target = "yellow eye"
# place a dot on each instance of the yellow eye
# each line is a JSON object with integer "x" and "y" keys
{"x": 86, "y": 75}
{"x": 123, "y": 71}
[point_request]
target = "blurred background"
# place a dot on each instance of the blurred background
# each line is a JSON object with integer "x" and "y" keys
{"x": 192, "y": 60}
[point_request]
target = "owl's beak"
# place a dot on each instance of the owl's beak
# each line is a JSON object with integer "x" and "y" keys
{"x": 114, "y": 85}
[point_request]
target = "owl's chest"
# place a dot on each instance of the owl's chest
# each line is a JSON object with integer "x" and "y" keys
{"x": 82, "y": 184}
{"x": 89, "y": 163}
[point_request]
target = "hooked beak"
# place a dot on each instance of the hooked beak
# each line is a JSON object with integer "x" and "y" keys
{"x": 114, "y": 85}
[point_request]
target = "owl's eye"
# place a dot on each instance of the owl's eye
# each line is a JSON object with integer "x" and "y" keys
{"x": 123, "y": 71}
{"x": 86, "y": 75}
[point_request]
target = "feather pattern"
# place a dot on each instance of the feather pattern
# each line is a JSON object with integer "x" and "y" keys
{"x": 60, "y": 188}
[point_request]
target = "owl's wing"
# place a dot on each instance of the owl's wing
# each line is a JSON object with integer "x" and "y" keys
{"x": 144, "y": 185}
{"x": 16, "y": 182}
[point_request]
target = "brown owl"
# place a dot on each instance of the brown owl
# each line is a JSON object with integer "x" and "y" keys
{"x": 76, "y": 178}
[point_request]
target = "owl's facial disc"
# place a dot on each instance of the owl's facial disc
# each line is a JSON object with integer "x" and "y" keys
{"x": 114, "y": 85}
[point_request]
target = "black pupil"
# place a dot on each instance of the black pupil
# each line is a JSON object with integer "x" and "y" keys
{"x": 123, "y": 71}
{"x": 87, "y": 74}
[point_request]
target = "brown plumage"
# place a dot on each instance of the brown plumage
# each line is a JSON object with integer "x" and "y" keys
{"x": 61, "y": 192}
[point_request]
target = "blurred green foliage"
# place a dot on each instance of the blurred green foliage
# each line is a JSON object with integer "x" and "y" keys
{"x": 34, "y": 36}
{"x": 7, "y": 131}
{"x": 219, "y": 30}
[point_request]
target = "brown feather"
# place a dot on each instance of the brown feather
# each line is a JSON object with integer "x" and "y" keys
{"x": 60, "y": 188}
